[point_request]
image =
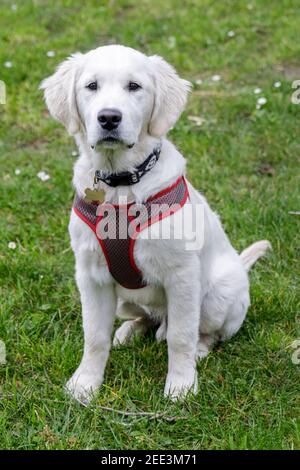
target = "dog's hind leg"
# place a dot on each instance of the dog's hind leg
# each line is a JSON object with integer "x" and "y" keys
{"x": 130, "y": 311}
{"x": 205, "y": 344}
{"x": 138, "y": 325}
{"x": 161, "y": 333}
{"x": 131, "y": 328}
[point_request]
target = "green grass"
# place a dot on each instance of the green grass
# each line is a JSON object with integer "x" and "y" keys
{"x": 249, "y": 388}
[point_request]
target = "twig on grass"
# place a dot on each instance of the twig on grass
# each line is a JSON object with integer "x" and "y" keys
{"x": 147, "y": 414}
{"x": 294, "y": 212}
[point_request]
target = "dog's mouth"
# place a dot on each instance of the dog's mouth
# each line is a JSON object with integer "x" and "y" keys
{"x": 113, "y": 141}
{"x": 110, "y": 139}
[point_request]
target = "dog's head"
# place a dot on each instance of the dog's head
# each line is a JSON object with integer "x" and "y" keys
{"x": 114, "y": 95}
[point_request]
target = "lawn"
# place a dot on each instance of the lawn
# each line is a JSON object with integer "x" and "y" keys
{"x": 245, "y": 160}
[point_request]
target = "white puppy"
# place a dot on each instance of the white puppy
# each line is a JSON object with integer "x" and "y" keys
{"x": 119, "y": 104}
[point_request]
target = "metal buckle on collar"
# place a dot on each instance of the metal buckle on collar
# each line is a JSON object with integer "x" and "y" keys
{"x": 135, "y": 178}
{"x": 100, "y": 175}
{"x": 152, "y": 162}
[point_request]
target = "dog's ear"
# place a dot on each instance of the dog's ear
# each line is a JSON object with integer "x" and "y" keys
{"x": 60, "y": 95}
{"x": 170, "y": 96}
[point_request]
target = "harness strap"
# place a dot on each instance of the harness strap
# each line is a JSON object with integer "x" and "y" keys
{"x": 127, "y": 222}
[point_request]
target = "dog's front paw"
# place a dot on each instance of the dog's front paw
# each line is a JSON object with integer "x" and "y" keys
{"x": 179, "y": 385}
{"x": 82, "y": 386}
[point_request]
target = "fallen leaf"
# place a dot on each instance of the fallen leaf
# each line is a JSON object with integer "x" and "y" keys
{"x": 266, "y": 169}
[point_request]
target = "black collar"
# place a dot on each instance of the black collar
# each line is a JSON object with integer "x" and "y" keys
{"x": 127, "y": 178}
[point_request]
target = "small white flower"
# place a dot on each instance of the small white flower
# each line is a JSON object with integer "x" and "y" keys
{"x": 250, "y": 6}
{"x": 8, "y": 64}
{"x": 17, "y": 171}
{"x": 257, "y": 91}
{"x": 171, "y": 42}
{"x": 51, "y": 53}
{"x": 199, "y": 81}
{"x": 277, "y": 84}
{"x": 216, "y": 78}
{"x": 12, "y": 245}
{"x": 197, "y": 120}
{"x": 231, "y": 34}
{"x": 43, "y": 176}
{"x": 14, "y": 7}
{"x": 261, "y": 101}
{"x": 74, "y": 153}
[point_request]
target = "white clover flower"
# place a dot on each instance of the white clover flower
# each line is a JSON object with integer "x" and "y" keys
{"x": 277, "y": 85}
{"x": 17, "y": 171}
{"x": 198, "y": 81}
{"x": 51, "y": 53}
{"x": 197, "y": 120}
{"x": 12, "y": 245}
{"x": 43, "y": 176}
{"x": 171, "y": 42}
{"x": 261, "y": 101}
{"x": 14, "y": 7}
{"x": 250, "y": 6}
{"x": 8, "y": 64}
{"x": 231, "y": 34}
{"x": 216, "y": 78}
{"x": 257, "y": 91}
{"x": 74, "y": 153}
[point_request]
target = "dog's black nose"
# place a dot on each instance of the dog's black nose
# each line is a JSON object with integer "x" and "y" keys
{"x": 109, "y": 119}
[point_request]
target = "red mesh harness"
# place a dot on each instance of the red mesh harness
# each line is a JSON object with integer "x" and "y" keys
{"x": 119, "y": 250}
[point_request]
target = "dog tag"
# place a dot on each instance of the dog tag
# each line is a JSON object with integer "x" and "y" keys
{"x": 94, "y": 195}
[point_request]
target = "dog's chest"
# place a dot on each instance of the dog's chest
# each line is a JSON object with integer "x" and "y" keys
{"x": 118, "y": 228}
{"x": 89, "y": 256}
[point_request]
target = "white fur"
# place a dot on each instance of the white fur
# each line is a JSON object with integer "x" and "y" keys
{"x": 196, "y": 296}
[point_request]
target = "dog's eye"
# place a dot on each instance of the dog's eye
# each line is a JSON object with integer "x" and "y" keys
{"x": 132, "y": 86}
{"x": 92, "y": 86}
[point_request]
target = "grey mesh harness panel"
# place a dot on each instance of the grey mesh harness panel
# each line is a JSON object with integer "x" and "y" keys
{"x": 128, "y": 221}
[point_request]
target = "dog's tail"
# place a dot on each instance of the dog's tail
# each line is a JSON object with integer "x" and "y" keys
{"x": 255, "y": 251}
